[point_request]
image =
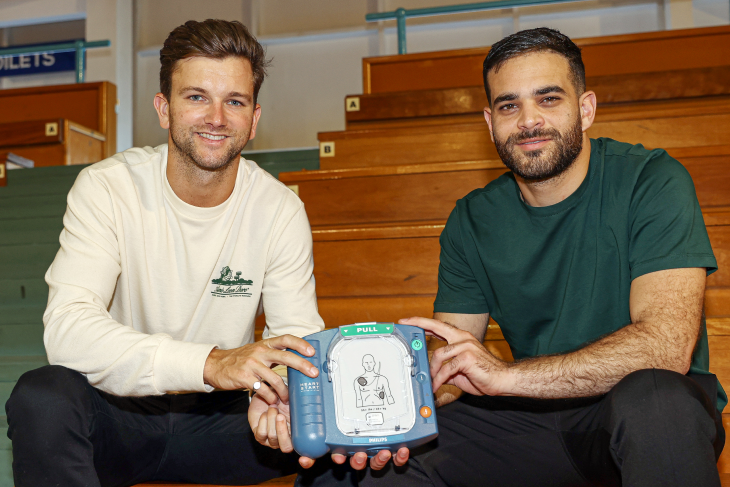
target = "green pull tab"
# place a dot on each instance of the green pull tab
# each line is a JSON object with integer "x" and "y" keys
{"x": 360, "y": 329}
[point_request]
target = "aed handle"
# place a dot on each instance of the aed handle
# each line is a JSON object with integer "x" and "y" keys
{"x": 306, "y": 401}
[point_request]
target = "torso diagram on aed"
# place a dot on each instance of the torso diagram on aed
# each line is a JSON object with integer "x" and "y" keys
{"x": 373, "y": 391}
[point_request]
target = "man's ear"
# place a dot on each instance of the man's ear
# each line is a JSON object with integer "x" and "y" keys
{"x": 488, "y": 118}
{"x": 587, "y": 103}
{"x": 162, "y": 107}
{"x": 255, "y": 122}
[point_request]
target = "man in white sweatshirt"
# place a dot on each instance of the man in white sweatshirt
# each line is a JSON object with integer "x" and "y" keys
{"x": 166, "y": 256}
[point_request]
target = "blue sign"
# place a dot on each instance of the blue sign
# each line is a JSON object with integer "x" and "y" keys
{"x": 37, "y": 63}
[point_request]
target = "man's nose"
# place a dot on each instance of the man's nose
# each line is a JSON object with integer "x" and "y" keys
{"x": 530, "y": 117}
{"x": 216, "y": 115}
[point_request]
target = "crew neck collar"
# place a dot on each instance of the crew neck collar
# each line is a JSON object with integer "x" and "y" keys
{"x": 192, "y": 211}
{"x": 571, "y": 200}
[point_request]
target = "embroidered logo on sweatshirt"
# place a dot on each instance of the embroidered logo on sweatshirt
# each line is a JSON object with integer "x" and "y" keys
{"x": 229, "y": 286}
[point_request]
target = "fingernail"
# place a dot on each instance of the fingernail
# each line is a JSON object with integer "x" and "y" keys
{"x": 314, "y": 371}
{"x": 310, "y": 351}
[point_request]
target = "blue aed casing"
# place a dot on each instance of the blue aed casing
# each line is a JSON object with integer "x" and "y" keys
{"x": 373, "y": 392}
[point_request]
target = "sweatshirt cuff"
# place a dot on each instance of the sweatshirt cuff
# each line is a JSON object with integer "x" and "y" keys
{"x": 178, "y": 366}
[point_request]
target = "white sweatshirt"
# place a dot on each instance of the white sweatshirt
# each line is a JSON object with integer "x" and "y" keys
{"x": 145, "y": 285}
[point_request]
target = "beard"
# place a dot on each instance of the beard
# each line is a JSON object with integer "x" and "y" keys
{"x": 546, "y": 163}
{"x": 183, "y": 140}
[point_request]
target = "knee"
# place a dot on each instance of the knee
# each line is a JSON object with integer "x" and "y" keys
{"x": 41, "y": 391}
{"x": 654, "y": 396}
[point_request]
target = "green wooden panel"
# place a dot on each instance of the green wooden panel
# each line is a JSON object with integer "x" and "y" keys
{"x": 6, "y": 466}
{"x": 283, "y": 161}
{"x": 22, "y": 340}
{"x": 5, "y": 389}
{"x": 50, "y": 205}
{"x": 22, "y": 313}
{"x": 30, "y": 230}
{"x": 11, "y": 368}
{"x": 23, "y": 292}
{"x": 5, "y": 443}
{"x": 30, "y": 260}
{"x": 36, "y": 188}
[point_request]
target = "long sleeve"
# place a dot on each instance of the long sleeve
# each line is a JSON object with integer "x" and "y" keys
{"x": 79, "y": 330}
{"x": 289, "y": 299}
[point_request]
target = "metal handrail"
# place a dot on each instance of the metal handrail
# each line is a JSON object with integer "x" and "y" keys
{"x": 401, "y": 14}
{"x": 79, "y": 46}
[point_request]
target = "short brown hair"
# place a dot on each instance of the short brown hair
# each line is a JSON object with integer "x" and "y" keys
{"x": 536, "y": 40}
{"x": 215, "y": 39}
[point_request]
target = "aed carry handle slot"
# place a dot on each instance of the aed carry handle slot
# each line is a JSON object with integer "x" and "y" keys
{"x": 312, "y": 403}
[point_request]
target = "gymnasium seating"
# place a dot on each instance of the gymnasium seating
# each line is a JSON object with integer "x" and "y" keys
{"x": 85, "y": 118}
{"x": 52, "y": 142}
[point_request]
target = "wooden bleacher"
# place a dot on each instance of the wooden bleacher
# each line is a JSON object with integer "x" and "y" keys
{"x": 52, "y": 142}
{"x": 60, "y": 125}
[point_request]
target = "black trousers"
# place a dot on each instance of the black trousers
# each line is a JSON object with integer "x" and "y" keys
{"x": 654, "y": 428}
{"x": 67, "y": 433}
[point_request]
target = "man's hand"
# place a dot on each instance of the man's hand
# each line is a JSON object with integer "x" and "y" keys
{"x": 463, "y": 362}
{"x": 359, "y": 460}
{"x": 271, "y": 425}
{"x": 241, "y": 367}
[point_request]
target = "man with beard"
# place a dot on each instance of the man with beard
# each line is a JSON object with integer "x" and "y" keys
{"x": 592, "y": 256}
{"x": 144, "y": 316}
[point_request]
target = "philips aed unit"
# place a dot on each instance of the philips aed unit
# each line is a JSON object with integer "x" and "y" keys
{"x": 373, "y": 392}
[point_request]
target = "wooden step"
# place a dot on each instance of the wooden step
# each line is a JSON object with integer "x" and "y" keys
{"x": 668, "y": 125}
{"x": 648, "y": 52}
{"x": 429, "y": 191}
{"x": 455, "y": 105}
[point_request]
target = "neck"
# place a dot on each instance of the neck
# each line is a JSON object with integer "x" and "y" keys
{"x": 551, "y": 191}
{"x": 198, "y": 186}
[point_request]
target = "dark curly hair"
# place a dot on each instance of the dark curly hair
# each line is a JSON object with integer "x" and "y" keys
{"x": 536, "y": 40}
{"x": 215, "y": 39}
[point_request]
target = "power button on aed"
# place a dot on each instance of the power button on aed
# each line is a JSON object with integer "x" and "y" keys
{"x": 417, "y": 344}
{"x": 425, "y": 411}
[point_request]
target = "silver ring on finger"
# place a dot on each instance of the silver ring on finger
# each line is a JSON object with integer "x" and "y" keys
{"x": 257, "y": 385}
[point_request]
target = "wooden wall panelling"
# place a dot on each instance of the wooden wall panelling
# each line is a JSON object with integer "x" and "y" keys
{"x": 91, "y": 105}
{"x": 603, "y": 56}
{"x": 454, "y": 105}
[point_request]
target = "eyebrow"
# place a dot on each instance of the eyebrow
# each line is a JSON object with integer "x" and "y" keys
{"x": 505, "y": 97}
{"x": 538, "y": 92}
{"x": 205, "y": 92}
{"x": 549, "y": 89}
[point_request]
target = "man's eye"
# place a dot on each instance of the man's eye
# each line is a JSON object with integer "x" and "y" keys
{"x": 550, "y": 99}
{"x": 236, "y": 103}
{"x": 196, "y": 97}
{"x": 508, "y": 106}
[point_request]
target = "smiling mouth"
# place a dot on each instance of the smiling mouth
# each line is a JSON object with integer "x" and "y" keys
{"x": 533, "y": 142}
{"x": 211, "y": 136}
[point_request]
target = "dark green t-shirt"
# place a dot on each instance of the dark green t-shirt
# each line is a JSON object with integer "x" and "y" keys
{"x": 558, "y": 277}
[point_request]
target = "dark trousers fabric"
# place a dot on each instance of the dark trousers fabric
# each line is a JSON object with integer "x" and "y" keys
{"x": 654, "y": 428}
{"x": 66, "y": 432}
